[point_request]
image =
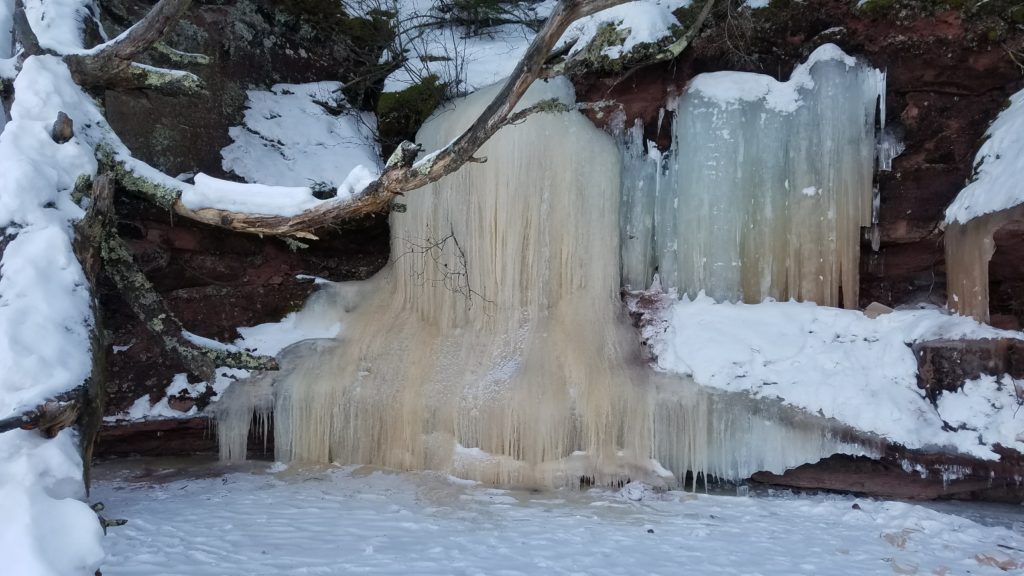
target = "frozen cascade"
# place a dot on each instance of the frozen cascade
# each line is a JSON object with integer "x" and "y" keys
{"x": 641, "y": 171}
{"x": 766, "y": 187}
{"x": 494, "y": 347}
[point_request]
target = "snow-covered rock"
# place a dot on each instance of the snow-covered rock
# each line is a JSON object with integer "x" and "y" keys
{"x": 838, "y": 364}
{"x": 997, "y": 183}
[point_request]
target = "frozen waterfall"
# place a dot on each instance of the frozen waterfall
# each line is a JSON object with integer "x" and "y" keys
{"x": 765, "y": 189}
{"x": 494, "y": 345}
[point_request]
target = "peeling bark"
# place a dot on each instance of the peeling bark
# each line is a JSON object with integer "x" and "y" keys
{"x": 92, "y": 399}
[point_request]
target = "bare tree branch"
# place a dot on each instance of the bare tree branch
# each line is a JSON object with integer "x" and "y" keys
{"x": 25, "y": 34}
{"x": 146, "y": 303}
{"x": 49, "y": 418}
{"x": 113, "y": 64}
{"x": 402, "y": 174}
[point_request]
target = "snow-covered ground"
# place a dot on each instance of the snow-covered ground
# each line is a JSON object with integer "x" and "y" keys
{"x": 841, "y": 364}
{"x": 299, "y": 134}
{"x": 347, "y": 521}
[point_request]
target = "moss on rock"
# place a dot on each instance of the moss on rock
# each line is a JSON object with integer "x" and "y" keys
{"x": 400, "y": 114}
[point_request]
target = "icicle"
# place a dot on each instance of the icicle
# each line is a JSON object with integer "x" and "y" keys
{"x": 640, "y": 180}
{"x": 889, "y": 147}
{"x": 768, "y": 184}
{"x": 730, "y": 436}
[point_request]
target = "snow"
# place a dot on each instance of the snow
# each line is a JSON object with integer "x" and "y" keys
{"x": 45, "y": 319}
{"x": 734, "y": 87}
{"x": 999, "y": 164}
{"x": 473, "y": 62}
{"x": 986, "y": 410}
{"x": 58, "y": 24}
{"x": 643, "y": 22}
{"x": 469, "y": 62}
{"x": 357, "y": 520}
{"x": 44, "y": 529}
{"x": 272, "y": 337}
{"x": 289, "y": 139}
{"x": 8, "y": 70}
{"x": 43, "y": 292}
{"x": 210, "y": 192}
{"x": 839, "y": 364}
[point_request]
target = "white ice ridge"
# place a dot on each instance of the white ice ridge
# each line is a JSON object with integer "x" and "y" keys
{"x": 842, "y": 364}
{"x": 728, "y": 210}
{"x": 998, "y": 181}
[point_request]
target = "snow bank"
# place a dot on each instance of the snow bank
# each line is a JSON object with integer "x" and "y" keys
{"x": 997, "y": 183}
{"x": 290, "y": 138}
{"x": 44, "y": 529}
{"x": 45, "y": 319}
{"x": 836, "y": 363}
{"x": 986, "y": 410}
{"x": 469, "y": 62}
{"x": 44, "y": 302}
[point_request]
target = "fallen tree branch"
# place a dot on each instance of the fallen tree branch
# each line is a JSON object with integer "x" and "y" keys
{"x": 402, "y": 172}
{"x": 553, "y": 105}
{"x": 150, "y": 308}
{"x": 88, "y": 232}
{"x": 146, "y": 303}
{"x": 49, "y": 418}
{"x": 169, "y": 82}
{"x": 24, "y": 33}
{"x": 113, "y": 64}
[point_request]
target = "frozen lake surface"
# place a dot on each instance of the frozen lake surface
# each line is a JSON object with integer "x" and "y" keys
{"x": 262, "y": 521}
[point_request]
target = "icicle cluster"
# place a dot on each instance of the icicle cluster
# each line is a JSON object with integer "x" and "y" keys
{"x": 765, "y": 189}
{"x": 495, "y": 328}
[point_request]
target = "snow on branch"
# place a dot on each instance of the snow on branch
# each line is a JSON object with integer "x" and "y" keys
{"x": 113, "y": 64}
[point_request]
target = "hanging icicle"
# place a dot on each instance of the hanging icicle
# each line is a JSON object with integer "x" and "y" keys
{"x": 767, "y": 185}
